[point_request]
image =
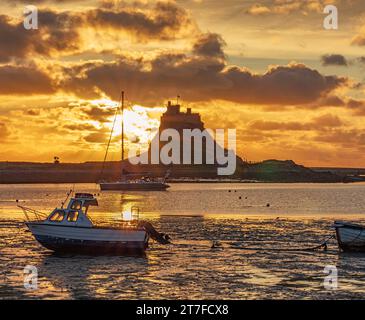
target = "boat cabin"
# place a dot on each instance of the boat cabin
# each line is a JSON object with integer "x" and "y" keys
{"x": 76, "y": 212}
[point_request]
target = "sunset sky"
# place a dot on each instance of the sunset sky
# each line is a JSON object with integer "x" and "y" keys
{"x": 268, "y": 68}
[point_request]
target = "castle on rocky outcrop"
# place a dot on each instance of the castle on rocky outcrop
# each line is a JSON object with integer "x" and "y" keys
{"x": 179, "y": 120}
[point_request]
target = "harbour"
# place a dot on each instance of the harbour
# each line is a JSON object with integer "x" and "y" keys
{"x": 194, "y": 215}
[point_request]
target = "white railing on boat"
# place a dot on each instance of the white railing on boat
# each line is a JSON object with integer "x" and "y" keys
{"x": 30, "y": 213}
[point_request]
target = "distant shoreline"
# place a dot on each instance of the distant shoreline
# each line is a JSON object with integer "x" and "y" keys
{"x": 193, "y": 181}
{"x": 269, "y": 171}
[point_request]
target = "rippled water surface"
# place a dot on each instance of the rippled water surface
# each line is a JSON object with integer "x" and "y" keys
{"x": 194, "y": 215}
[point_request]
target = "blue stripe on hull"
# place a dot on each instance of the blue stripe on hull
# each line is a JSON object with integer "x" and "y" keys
{"x": 62, "y": 245}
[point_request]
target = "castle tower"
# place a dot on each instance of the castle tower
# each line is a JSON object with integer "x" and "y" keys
{"x": 178, "y": 120}
{"x": 174, "y": 118}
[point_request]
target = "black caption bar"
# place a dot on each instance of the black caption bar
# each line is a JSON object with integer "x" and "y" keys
{"x": 166, "y": 309}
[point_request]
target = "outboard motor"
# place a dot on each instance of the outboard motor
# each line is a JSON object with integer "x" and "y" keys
{"x": 153, "y": 233}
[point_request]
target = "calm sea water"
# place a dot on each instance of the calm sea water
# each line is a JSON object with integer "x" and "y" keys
{"x": 299, "y": 215}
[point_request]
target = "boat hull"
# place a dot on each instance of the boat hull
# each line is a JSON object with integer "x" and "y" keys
{"x": 92, "y": 241}
{"x": 120, "y": 186}
{"x": 350, "y": 237}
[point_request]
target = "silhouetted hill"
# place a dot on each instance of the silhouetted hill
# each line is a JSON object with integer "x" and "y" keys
{"x": 287, "y": 171}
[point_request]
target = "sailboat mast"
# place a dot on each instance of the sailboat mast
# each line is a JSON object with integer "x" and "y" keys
{"x": 122, "y": 126}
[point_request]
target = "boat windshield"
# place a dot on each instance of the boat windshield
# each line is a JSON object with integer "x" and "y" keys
{"x": 57, "y": 216}
{"x": 72, "y": 216}
{"x": 76, "y": 205}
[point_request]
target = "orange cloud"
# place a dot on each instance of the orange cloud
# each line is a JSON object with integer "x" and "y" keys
{"x": 287, "y": 6}
{"x": 319, "y": 123}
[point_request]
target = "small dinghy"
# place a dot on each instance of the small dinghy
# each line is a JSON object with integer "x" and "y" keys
{"x": 70, "y": 230}
{"x": 350, "y": 236}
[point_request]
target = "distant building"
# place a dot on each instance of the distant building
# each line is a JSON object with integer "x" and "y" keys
{"x": 176, "y": 119}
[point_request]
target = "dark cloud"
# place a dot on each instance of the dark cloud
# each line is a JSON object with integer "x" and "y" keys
{"x": 334, "y": 60}
{"x": 59, "y": 32}
{"x": 165, "y": 21}
{"x": 327, "y": 121}
{"x": 202, "y": 75}
{"x": 352, "y": 103}
{"x": 32, "y": 112}
{"x": 199, "y": 78}
{"x": 96, "y": 137}
{"x": 15, "y": 42}
{"x": 357, "y": 106}
{"x": 98, "y": 113}
{"x": 210, "y": 45}
{"x": 291, "y": 84}
{"x": 332, "y": 101}
{"x": 24, "y": 80}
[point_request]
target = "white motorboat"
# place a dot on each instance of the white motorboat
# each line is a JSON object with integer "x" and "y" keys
{"x": 70, "y": 230}
{"x": 350, "y": 236}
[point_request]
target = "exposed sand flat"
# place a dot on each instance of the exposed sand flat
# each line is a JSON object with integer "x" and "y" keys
{"x": 300, "y": 215}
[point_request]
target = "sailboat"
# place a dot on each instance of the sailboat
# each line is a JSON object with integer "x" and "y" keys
{"x": 127, "y": 182}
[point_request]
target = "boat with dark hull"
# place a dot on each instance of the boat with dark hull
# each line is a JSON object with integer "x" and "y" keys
{"x": 71, "y": 230}
{"x": 134, "y": 185}
{"x": 350, "y": 236}
{"x": 88, "y": 247}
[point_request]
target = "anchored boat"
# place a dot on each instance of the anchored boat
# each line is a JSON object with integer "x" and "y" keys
{"x": 139, "y": 184}
{"x": 350, "y": 236}
{"x": 71, "y": 230}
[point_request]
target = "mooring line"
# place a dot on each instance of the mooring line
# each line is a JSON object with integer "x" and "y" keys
{"x": 216, "y": 244}
{"x": 322, "y": 245}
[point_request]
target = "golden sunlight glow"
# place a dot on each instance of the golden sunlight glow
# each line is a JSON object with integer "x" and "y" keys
{"x": 105, "y": 102}
{"x": 138, "y": 125}
{"x": 127, "y": 216}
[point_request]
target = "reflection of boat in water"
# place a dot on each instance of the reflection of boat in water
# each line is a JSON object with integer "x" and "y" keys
{"x": 127, "y": 182}
{"x": 350, "y": 236}
{"x": 70, "y": 230}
